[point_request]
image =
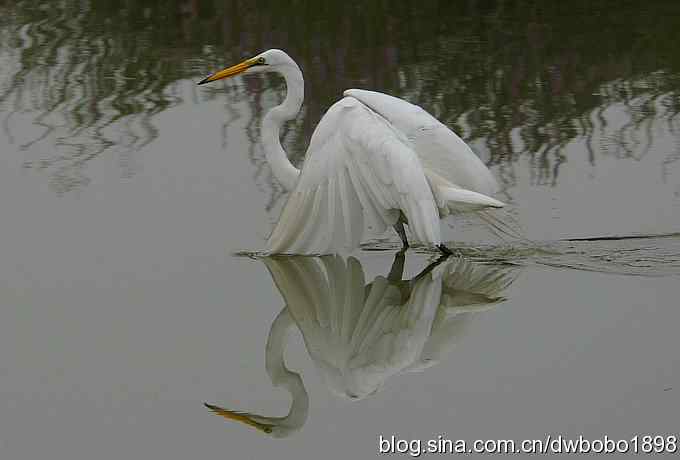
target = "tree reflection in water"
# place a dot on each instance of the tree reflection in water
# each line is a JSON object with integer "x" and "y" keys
{"x": 515, "y": 78}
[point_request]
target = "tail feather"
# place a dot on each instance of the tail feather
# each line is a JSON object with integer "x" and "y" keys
{"x": 467, "y": 199}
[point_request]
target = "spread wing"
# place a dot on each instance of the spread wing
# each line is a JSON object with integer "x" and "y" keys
{"x": 440, "y": 150}
{"x": 467, "y": 289}
{"x": 460, "y": 181}
{"x": 357, "y": 166}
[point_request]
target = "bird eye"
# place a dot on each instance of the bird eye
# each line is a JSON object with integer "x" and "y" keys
{"x": 260, "y": 61}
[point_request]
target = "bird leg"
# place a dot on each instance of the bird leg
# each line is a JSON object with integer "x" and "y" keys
{"x": 431, "y": 267}
{"x": 399, "y": 228}
{"x": 397, "y": 270}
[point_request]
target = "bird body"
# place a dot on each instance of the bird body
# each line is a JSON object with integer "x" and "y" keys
{"x": 374, "y": 161}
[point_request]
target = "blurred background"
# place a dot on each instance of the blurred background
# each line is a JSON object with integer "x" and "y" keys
{"x": 517, "y": 79}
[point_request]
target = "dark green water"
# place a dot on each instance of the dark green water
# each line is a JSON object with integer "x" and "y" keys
{"x": 126, "y": 190}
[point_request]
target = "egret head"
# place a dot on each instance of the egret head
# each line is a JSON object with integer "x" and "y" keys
{"x": 270, "y": 60}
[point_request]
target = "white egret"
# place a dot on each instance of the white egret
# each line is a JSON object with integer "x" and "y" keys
{"x": 372, "y": 156}
{"x": 360, "y": 334}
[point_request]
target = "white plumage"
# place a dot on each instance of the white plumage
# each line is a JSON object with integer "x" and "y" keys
{"x": 372, "y": 159}
{"x": 357, "y": 166}
{"x": 361, "y": 333}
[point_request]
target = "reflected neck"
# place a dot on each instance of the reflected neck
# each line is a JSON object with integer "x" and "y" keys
{"x": 281, "y": 376}
{"x": 283, "y": 169}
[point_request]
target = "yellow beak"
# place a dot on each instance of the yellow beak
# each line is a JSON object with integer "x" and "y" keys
{"x": 229, "y": 71}
{"x": 239, "y": 417}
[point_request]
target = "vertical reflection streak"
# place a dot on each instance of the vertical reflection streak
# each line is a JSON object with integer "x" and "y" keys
{"x": 93, "y": 75}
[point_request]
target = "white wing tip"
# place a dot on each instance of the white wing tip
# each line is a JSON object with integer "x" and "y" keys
{"x": 469, "y": 197}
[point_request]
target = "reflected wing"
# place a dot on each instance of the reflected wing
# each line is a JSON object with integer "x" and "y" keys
{"x": 440, "y": 149}
{"x": 358, "y": 335}
{"x": 468, "y": 288}
{"x": 325, "y": 296}
{"x": 396, "y": 339}
{"x": 357, "y": 166}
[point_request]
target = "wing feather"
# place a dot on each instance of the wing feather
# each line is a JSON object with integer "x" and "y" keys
{"x": 358, "y": 165}
{"x": 332, "y": 201}
{"x": 352, "y": 215}
{"x": 377, "y": 217}
{"x": 439, "y": 148}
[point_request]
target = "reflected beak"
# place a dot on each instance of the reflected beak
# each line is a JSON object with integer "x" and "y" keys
{"x": 229, "y": 71}
{"x": 240, "y": 417}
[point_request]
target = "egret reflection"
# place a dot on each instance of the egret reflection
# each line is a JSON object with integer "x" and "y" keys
{"x": 361, "y": 332}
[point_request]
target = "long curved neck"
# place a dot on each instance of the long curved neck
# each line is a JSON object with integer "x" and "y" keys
{"x": 283, "y": 169}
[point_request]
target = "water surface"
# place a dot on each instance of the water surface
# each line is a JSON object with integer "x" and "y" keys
{"x": 126, "y": 191}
